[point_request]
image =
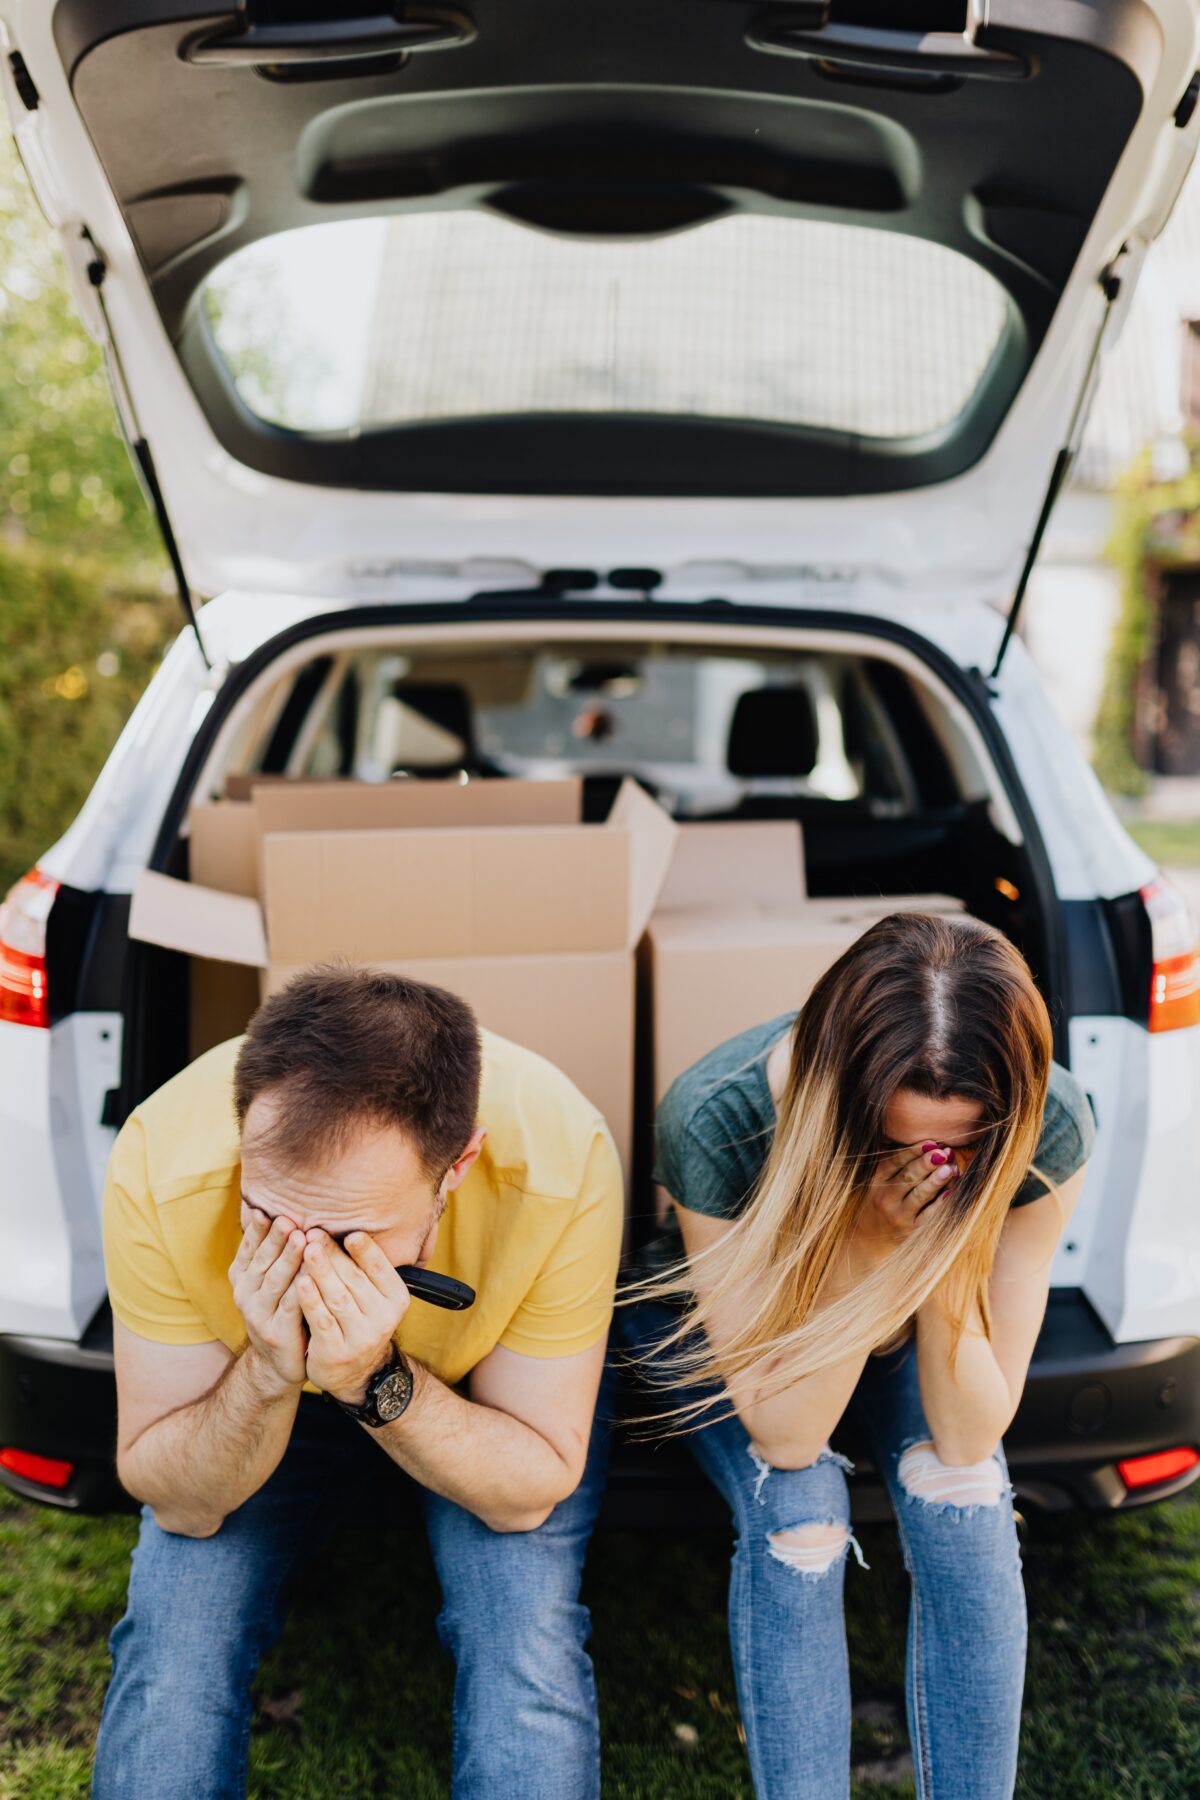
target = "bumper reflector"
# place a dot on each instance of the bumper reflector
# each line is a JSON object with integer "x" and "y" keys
{"x": 1163, "y": 1465}
{"x": 47, "y": 1471}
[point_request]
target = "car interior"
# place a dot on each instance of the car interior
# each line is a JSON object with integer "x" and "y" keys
{"x": 849, "y": 745}
{"x": 890, "y": 794}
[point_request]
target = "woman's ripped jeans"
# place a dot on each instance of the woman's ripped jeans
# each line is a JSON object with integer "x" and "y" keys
{"x": 966, "y": 1629}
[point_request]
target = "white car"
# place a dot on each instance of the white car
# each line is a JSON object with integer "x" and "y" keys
{"x": 680, "y": 390}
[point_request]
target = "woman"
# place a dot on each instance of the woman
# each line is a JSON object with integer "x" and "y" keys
{"x": 857, "y": 1222}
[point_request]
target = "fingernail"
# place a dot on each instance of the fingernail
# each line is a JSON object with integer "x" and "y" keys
{"x": 926, "y": 1148}
{"x": 937, "y": 1159}
{"x": 942, "y": 1174}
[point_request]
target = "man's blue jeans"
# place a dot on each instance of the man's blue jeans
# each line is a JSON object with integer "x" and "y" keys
{"x": 202, "y": 1612}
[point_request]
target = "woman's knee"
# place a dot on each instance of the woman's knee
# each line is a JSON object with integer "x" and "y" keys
{"x": 958, "y": 1530}
{"x": 948, "y": 1487}
{"x": 799, "y": 1518}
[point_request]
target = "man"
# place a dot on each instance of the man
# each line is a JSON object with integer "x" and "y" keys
{"x": 255, "y": 1212}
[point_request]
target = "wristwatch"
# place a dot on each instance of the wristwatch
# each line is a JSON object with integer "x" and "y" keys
{"x": 388, "y": 1393}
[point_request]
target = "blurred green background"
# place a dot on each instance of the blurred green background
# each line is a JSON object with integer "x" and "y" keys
{"x": 86, "y": 605}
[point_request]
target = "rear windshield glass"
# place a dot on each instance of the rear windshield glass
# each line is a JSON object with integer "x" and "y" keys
{"x": 453, "y": 315}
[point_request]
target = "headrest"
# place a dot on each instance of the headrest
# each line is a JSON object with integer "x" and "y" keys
{"x": 444, "y": 703}
{"x": 774, "y": 732}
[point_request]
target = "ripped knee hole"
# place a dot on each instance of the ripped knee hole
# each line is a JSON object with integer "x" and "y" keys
{"x": 814, "y": 1548}
{"x": 924, "y": 1475}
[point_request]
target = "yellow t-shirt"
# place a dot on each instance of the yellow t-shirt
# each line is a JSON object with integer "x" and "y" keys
{"x": 535, "y": 1227}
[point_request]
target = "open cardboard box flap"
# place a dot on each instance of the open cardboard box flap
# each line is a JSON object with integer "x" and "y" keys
{"x": 521, "y": 890}
{"x": 201, "y": 921}
{"x": 413, "y": 804}
{"x": 226, "y": 835}
{"x": 380, "y": 894}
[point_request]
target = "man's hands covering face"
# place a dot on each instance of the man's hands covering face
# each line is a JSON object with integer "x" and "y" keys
{"x": 353, "y": 1300}
{"x": 311, "y": 1309}
{"x": 263, "y": 1276}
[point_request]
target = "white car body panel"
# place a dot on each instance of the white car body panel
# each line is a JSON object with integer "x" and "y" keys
{"x": 1139, "y": 1224}
{"x": 1089, "y": 851}
{"x": 52, "y": 1087}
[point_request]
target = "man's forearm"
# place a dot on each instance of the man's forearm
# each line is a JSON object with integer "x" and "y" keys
{"x": 198, "y": 1464}
{"x": 495, "y": 1466}
{"x": 970, "y": 1407}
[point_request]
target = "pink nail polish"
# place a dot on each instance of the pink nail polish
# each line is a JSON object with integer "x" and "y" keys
{"x": 937, "y": 1159}
{"x": 926, "y": 1148}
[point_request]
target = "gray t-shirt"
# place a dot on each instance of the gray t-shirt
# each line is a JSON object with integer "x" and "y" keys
{"x": 714, "y": 1126}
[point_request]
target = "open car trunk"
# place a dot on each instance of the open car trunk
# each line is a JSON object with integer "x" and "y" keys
{"x": 866, "y": 770}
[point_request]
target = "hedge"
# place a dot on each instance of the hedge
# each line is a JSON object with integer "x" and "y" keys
{"x": 79, "y": 640}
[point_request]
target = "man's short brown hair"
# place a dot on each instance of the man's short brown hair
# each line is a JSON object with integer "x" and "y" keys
{"x": 344, "y": 1046}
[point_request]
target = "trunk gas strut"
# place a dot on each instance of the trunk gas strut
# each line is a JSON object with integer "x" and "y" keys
{"x": 1110, "y": 287}
{"x": 138, "y": 447}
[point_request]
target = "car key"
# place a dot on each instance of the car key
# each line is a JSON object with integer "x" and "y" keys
{"x": 439, "y": 1290}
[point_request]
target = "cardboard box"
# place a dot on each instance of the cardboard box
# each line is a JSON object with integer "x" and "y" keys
{"x": 734, "y": 861}
{"x": 226, "y": 851}
{"x": 533, "y": 924}
{"x": 222, "y": 855}
{"x": 714, "y": 964}
{"x": 226, "y": 835}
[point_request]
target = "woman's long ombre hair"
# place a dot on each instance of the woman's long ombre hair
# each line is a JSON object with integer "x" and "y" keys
{"x": 938, "y": 1006}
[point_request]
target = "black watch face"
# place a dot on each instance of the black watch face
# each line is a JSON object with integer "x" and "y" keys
{"x": 393, "y": 1394}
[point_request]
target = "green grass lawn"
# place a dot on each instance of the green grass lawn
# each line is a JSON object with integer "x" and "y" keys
{"x": 354, "y": 1702}
{"x": 1171, "y": 842}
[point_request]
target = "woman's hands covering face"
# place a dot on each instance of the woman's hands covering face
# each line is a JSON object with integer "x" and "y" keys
{"x": 907, "y": 1181}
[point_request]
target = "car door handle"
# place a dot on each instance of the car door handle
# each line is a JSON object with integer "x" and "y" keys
{"x": 328, "y": 40}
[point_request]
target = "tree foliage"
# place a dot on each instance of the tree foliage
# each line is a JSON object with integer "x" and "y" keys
{"x": 65, "y": 475}
{"x": 84, "y": 610}
{"x": 1157, "y": 526}
{"x": 78, "y": 646}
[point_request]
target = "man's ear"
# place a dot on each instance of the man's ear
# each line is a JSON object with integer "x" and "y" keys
{"x": 458, "y": 1170}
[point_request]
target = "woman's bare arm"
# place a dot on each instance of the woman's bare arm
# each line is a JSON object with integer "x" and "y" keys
{"x": 970, "y": 1407}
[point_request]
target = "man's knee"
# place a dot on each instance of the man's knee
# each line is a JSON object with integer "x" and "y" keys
{"x": 955, "y": 1487}
{"x": 198, "y": 1604}
{"x": 535, "y": 1633}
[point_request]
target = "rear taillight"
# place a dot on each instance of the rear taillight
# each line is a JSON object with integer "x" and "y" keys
{"x": 1175, "y": 947}
{"x": 24, "y": 999}
{"x": 1162, "y": 1465}
{"x": 47, "y": 1471}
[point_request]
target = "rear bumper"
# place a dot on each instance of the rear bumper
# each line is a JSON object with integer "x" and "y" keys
{"x": 1088, "y": 1404}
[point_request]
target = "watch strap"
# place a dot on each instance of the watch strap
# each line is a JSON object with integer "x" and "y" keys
{"x": 368, "y": 1412}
